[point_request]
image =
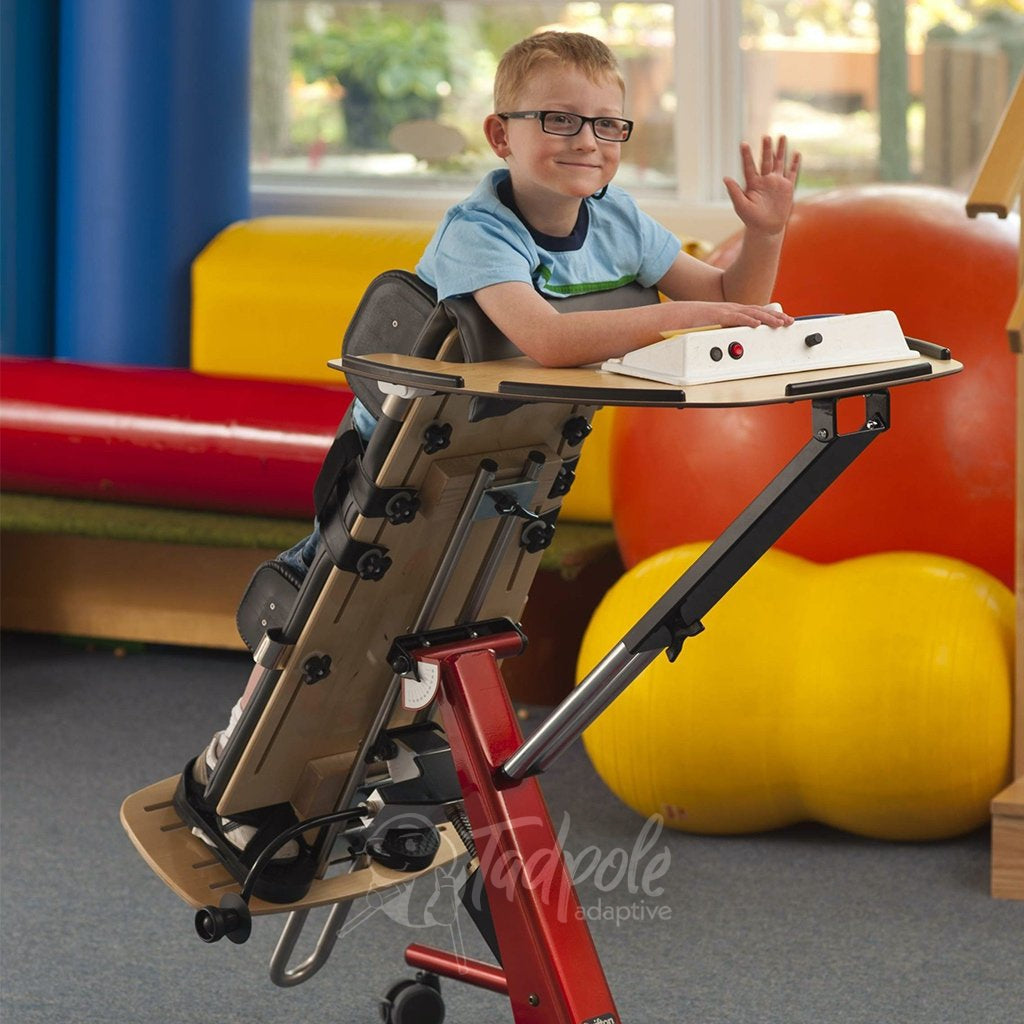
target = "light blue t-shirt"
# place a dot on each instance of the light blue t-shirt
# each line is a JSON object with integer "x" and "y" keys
{"x": 482, "y": 241}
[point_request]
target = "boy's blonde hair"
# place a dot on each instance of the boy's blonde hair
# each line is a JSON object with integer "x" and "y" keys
{"x": 574, "y": 49}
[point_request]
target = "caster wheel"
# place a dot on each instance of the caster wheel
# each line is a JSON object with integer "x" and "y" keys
{"x": 413, "y": 1002}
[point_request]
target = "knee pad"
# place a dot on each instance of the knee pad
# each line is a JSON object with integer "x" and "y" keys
{"x": 267, "y": 601}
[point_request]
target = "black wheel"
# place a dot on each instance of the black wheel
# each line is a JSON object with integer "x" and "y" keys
{"x": 413, "y": 1002}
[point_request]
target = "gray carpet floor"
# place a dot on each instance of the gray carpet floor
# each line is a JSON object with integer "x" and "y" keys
{"x": 801, "y": 925}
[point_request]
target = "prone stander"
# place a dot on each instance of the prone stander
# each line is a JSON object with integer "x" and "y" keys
{"x": 380, "y": 736}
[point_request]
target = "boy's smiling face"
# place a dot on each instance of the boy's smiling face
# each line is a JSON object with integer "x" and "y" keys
{"x": 552, "y": 172}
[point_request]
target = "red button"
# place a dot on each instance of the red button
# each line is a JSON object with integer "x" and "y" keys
{"x": 735, "y": 350}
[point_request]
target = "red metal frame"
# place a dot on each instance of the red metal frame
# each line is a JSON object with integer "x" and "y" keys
{"x": 550, "y": 967}
{"x": 461, "y": 968}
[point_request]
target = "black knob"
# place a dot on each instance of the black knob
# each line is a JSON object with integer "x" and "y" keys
{"x": 315, "y": 668}
{"x": 231, "y": 920}
{"x": 536, "y": 536}
{"x": 401, "y": 508}
{"x": 372, "y": 564}
{"x": 575, "y": 430}
{"x": 437, "y": 437}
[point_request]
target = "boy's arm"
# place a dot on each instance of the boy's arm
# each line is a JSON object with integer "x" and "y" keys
{"x": 575, "y": 339}
{"x": 763, "y": 203}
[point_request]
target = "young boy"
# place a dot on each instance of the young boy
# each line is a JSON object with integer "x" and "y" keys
{"x": 551, "y": 224}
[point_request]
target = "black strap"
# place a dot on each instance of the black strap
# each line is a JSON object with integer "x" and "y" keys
{"x": 347, "y": 447}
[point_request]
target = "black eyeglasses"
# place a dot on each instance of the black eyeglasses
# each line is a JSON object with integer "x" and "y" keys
{"x": 558, "y": 122}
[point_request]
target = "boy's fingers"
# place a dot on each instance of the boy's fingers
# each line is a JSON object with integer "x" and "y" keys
{"x": 780, "y": 153}
{"x": 735, "y": 190}
{"x": 771, "y": 317}
{"x": 755, "y": 316}
{"x": 774, "y": 158}
{"x": 794, "y": 168}
{"x": 747, "y": 157}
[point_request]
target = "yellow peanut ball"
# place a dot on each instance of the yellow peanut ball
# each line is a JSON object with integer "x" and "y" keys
{"x": 872, "y": 694}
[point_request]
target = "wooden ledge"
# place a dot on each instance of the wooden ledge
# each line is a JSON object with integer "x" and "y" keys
{"x": 1001, "y": 177}
{"x": 1008, "y": 842}
{"x": 1015, "y": 325}
{"x": 1010, "y": 802}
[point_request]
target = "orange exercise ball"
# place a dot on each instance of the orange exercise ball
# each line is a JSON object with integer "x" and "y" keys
{"x": 941, "y": 479}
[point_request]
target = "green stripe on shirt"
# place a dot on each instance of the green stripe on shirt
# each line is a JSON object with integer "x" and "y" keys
{"x": 582, "y": 289}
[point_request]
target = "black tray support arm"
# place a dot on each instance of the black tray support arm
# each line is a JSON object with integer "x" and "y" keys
{"x": 807, "y": 476}
{"x": 678, "y": 613}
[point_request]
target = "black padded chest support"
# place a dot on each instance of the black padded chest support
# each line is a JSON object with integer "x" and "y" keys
{"x": 399, "y": 313}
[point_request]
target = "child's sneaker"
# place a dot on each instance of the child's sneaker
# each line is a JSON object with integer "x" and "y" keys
{"x": 237, "y": 833}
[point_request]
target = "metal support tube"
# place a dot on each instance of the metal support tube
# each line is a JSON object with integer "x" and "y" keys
{"x": 287, "y": 977}
{"x": 797, "y": 486}
{"x": 458, "y": 968}
{"x": 548, "y": 958}
{"x": 484, "y": 478}
{"x": 502, "y": 538}
{"x": 565, "y": 724}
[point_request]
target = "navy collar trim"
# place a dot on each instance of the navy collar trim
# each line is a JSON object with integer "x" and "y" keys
{"x": 552, "y": 243}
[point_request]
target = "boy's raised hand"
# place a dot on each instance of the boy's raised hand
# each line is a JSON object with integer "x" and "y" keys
{"x": 765, "y": 199}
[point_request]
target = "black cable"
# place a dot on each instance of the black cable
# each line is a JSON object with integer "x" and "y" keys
{"x": 267, "y": 853}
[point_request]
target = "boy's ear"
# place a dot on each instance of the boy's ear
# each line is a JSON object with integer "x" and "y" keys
{"x": 496, "y": 133}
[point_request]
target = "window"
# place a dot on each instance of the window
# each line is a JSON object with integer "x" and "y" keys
{"x": 375, "y": 107}
{"x": 882, "y": 90}
{"x": 394, "y": 93}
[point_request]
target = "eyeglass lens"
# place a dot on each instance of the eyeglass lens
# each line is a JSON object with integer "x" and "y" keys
{"x": 610, "y": 129}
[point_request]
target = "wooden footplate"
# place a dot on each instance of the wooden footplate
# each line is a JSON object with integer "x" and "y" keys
{"x": 191, "y": 870}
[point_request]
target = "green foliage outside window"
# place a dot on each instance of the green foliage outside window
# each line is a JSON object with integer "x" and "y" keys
{"x": 392, "y": 64}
